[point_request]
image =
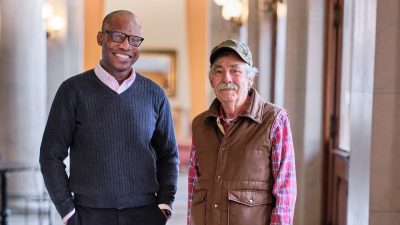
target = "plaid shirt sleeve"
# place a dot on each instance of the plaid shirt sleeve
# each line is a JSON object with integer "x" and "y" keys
{"x": 192, "y": 179}
{"x": 284, "y": 171}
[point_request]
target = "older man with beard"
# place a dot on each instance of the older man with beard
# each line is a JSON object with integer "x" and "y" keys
{"x": 242, "y": 164}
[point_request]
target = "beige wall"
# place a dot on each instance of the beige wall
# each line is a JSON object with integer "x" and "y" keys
{"x": 197, "y": 15}
{"x": 93, "y": 16}
{"x": 385, "y": 153}
{"x": 303, "y": 98}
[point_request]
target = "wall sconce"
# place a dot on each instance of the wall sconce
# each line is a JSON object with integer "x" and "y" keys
{"x": 53, "y": 23}
{"x": 235, "y": 11}
{"x": 271, "y": 5}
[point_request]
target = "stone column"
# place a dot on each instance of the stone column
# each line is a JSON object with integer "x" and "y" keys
{"x": 64, "y": 47}
{"x": 22, "y": 85}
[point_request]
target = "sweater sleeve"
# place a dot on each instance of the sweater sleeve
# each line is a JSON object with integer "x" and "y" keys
{"x": 56, "y": 141}
{"x": 164, "y": 143}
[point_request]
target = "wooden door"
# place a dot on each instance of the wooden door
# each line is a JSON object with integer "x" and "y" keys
{"x": 335, "y": 139}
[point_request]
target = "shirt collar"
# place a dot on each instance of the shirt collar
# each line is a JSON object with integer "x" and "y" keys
{"x": 253, "y": 108}
{"x": 111, "y": 82}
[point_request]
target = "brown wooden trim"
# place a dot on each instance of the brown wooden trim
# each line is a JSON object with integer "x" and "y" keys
{"x": 340, "y": 189}
{"x": 273, "y": 53}
{"x": 327, "y": 112}
{"x": 338, "y": 68}
{"x": 333, "y": 49}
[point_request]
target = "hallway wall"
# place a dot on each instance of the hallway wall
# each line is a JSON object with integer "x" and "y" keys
{"x": 385, "y": 151}
{"x": 303, "y": 98}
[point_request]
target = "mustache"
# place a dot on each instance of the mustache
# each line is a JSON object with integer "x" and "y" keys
{"x": 227, "y": 86}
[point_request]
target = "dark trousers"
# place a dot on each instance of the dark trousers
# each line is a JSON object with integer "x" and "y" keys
{"x": 145, "y": 215}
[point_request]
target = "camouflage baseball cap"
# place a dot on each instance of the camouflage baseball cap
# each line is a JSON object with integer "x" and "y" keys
{"x": 240, "y": 48}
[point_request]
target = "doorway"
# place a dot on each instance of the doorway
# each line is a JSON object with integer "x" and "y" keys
{"x": 336, "y": 120}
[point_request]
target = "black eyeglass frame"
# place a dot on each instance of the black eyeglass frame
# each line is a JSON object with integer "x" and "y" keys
{"x": 131, "y": 41}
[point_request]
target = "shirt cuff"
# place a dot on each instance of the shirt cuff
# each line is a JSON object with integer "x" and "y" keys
{"x": 69, "y": 215}
{"x": 164, "y": 206}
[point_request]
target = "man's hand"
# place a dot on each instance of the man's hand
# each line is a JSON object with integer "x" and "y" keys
{"x": 167, "y": 213}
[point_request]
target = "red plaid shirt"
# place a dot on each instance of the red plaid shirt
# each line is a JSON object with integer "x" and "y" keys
{"x": 283, "y": 170}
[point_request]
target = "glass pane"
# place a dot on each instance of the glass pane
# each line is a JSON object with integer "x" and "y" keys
{"x": 345, "y": 86}
{"x": 344, "y": 126}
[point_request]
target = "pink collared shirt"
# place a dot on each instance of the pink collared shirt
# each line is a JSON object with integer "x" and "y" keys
{"x": 111, "y": 82}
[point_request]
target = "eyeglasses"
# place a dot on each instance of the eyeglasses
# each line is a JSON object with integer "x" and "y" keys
{"x": 120, "y": 37}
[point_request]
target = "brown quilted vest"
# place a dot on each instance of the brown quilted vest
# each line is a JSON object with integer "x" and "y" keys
{"x": 235, "y": 181}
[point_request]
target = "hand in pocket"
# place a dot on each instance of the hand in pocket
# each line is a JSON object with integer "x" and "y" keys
{"x": 73, "y": 220}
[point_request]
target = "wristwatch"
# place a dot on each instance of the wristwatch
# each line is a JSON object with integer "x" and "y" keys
{"x": 167, "y": 213}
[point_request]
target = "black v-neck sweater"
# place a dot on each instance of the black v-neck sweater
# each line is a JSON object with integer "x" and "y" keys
{"x": 123, "y": 150}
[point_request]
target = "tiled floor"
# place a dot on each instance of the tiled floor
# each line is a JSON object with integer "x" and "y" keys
{"x": 178, "y": 218}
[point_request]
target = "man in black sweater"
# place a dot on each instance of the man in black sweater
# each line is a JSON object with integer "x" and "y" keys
{"x": 118, "y": 128}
